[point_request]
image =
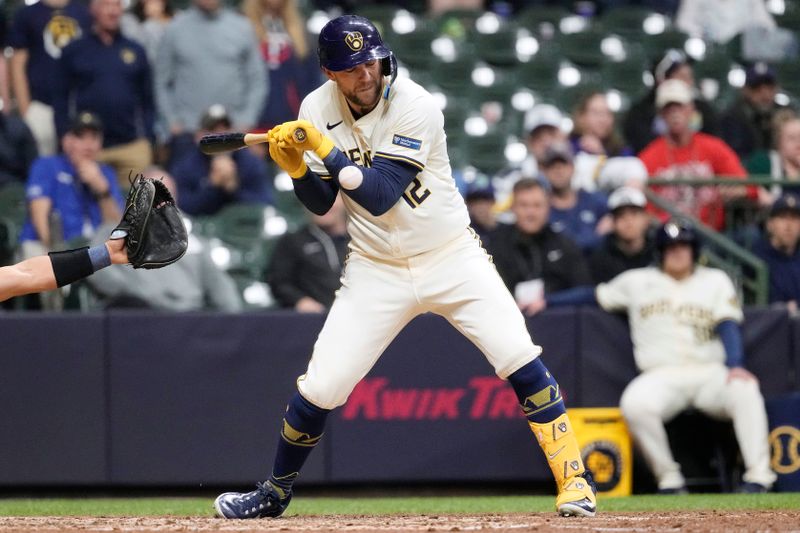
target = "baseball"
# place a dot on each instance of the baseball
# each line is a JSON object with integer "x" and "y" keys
{"x": 350, "y": 177}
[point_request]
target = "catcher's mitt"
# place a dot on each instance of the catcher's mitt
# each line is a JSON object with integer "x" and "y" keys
{"x": 151, "y": 225}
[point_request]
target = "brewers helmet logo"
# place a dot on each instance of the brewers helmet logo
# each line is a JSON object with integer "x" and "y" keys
{"x": 354, "y": 40}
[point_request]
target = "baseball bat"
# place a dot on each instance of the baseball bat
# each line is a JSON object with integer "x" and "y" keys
{"x": 217, "y": 143}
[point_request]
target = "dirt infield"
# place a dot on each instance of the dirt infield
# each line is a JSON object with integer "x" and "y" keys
{"x": 617, "y": 522}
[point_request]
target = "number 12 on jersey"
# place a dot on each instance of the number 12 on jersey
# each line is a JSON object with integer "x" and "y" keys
{"x": 413, "y": 196}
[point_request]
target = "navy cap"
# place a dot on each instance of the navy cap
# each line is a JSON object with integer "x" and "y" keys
{"x": 557, "y": 152}
{"x": 760, "y": 73}
{"x": 788, "y": 203}
{"x": 85, "y": 120}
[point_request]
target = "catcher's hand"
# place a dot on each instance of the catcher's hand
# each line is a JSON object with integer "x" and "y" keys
{"x": 151, "y": 225}
{"x": 302, "y": 135}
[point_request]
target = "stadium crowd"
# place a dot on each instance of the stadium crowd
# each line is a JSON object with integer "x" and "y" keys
{"x": 95, "y": 91}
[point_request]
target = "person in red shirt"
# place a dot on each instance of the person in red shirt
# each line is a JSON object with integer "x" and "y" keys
{"x": 682, "y": 153}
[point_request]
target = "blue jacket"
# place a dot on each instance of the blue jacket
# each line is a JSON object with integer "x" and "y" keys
{"x": 114, "y": 81}
{"x": 196, "y": 196}
{"x": 579, "y": 223}
{"x": 54, "y": 177}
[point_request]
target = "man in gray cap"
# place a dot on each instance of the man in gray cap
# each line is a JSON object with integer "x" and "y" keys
{"x": 630, "y": 244}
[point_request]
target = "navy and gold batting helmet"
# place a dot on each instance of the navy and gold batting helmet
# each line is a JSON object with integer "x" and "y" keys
{"x": 350, "y": 40}
{"x": 674, "y": 232}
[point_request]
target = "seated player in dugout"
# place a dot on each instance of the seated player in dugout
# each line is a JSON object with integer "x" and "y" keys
{"x": 687, "y": 344}
{"x": 380, "y": 141}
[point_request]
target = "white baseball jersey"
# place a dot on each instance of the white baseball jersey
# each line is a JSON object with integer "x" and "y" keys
{"x": 672, "y": 321}
{"x": 407, "y": 127}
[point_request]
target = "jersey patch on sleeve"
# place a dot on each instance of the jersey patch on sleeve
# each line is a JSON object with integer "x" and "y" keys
{"x": 406, "y": 142}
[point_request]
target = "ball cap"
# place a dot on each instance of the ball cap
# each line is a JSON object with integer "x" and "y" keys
{"x": 542, "y": 115}
{"x": 626, "y": 197}
{"x": 86, "y": 120}
{"x": 788, "y": 203}
{"x": 214, "y": 116}
{"x": 557, "y": 152}
{"x": 673, "y": 92}
{"x": 760, "y": 73}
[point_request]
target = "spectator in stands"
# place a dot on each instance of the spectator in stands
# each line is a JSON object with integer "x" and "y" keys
{"x": 38, "y": 34}
{"x": 780, "y": 249}
{"x": 783, "y": 162}
{"x": 643, "y": 124}
{"x": 532, "y": 259}
{"x": 292, "y": 69}
{"x": 721, "y": 20}
{"x": 594, "y": 130}
{"x": 82, "y": 191}
{"x": 683, "y": 153}
{"x": 192, "y": 284}
{"x": 193, "y": 71}
{"x": 146, "y": 23}
{"x": 69, "y": 195}
{"x": 108, "y": 74}
{"x": 208, "y": 183}
{"x": 747, "y": 124}
{"x": 306, "y": 265}
{"x": 543, "y": 124}
{"x": 480, "y": 202}
{"x": 630, "y": 244}
{"x": 17, "y": 149}
{"x": 580, "y": 215}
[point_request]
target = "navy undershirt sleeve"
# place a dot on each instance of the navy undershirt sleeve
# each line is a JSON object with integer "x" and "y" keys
{"x": 315, "y": 193}
{"x": 731, "y": 336}
{"x": 581, "y": 295}
{"x": 383, "y": 184}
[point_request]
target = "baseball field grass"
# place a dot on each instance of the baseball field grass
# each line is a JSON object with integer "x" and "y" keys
{"x": 319, "y": 506}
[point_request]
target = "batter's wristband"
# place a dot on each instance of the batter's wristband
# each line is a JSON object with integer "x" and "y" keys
{"x": 71, "y": 265}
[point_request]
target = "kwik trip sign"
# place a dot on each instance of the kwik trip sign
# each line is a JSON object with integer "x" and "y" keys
{"x": 483, "y": 397}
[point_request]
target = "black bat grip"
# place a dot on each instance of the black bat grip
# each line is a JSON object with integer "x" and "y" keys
{"x": 218, "y": 143}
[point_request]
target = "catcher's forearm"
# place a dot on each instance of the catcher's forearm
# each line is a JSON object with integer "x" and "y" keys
{"x": 44, "y": 273}
{"x": 71, "y": 265}
{"x": 32, "y": 275}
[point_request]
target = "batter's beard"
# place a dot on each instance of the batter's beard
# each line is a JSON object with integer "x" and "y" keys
{"x": 359, "y": 102}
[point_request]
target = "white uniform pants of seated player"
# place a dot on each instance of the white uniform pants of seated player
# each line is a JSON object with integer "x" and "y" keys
{"x": 379, "y": 297}
{"x": 656, "y": 396}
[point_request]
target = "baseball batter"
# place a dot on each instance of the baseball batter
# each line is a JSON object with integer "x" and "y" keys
{"x": 684, "y": 321}
{"x": 379, "y": 141}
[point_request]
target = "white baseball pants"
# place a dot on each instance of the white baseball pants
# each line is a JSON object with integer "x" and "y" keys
{"x": 658, "y": 395}
{"x": 379, "y": 297}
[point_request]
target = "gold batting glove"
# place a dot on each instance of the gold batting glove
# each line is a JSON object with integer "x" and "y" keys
{"x": 289, "y": 159}
{"x": 302, "y": 135}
